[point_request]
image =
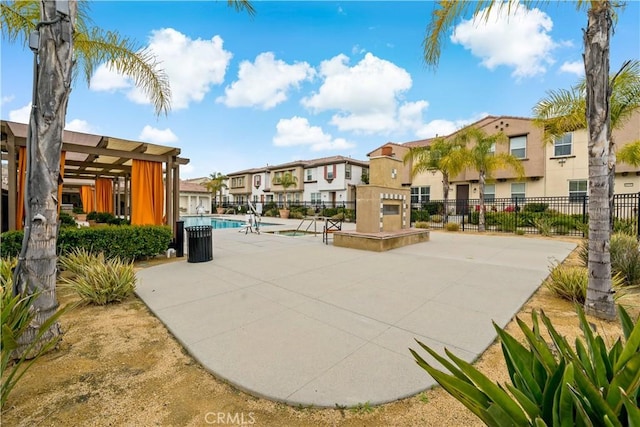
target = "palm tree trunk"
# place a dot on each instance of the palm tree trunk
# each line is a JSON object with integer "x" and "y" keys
{"x": 599, "y": 301}
{"x": 38, "y": 268}
{"x": 445, "y": 192}
{"x": 481, "y": 218}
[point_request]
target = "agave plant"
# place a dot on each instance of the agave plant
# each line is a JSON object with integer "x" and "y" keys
{"x": 586, "y": 386}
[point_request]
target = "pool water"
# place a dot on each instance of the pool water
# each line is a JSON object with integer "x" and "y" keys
{"x": 216, "y": 223}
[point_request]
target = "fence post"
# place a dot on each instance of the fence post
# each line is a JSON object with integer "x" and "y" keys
{"x": 584, "y": 212}
{"x": 515, "y": 225}
{"x": 463, "y": 222}
{"x": 638, "y": 217}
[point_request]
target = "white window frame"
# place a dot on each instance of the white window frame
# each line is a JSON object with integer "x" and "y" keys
{"x": 520, "y": 195}
{"x": 316, "y": 198}
{"x": 577, "y": 194}
{"x": 489, "y": 193}
{"x": 420, "y": 195}
{"x": 521, "y": 146}
{"x": 561, "y": 143}
{"x": 308, "y": 173}
{"x": 347, "y": 171}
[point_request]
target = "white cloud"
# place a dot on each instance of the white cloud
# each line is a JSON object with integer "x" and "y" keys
{"x": 78, "y": 125}
{"x": 157, "y": 136}
{"x": 357, "y": 50}
{"x": 367, "y": 96}
{"x": 297, "y": 131}
{"x": 440, "y": 127}
{"x": 520, "y": 40}
{"x": 21, "y": 115}
{"x": 7, "y": 99}
{"x": 265, "y": 82}
{"x": 186, "y": 170}
{"x": 192, "y": 67}
{"x": 575, "y": 67}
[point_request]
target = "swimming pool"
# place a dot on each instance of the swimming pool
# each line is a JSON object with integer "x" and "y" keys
{"x": 216, "y": 223}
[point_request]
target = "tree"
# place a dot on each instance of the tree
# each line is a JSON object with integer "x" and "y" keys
{"x": 481, "y": 156}
{"x": 597, "y": 37}
{"x": 563, "y": 111}
{"x": 216, "y": 184}
{"x": 65, "y": 40}
{"x": 437, "y": 157}
{"x": 287, "y": 180}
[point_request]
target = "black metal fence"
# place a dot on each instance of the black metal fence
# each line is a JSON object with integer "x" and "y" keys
{"x": 531, "y": 215}
{"x": 302, "y": 209}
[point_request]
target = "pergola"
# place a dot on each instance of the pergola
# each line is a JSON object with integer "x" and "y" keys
{"x": 90, "y": 157}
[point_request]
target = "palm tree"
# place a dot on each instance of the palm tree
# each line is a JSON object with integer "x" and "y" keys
{"x": 563, "y": 111}
{"x": 630, "y": 154}
{"x": 287, "y": 180}
{"x": 437, "y": 156}
{"x": 64, "y": 40}
{"x": 481, "y": 156}
{"x": 216, "y": 184}
{"x": 597, "y": 38}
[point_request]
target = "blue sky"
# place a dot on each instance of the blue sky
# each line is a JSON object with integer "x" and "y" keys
{"x": 302, "y": 80}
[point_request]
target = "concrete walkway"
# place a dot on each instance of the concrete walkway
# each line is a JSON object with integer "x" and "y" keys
{"x": 294, "y": 320}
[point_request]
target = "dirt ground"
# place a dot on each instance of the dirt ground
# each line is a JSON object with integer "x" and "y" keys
{"x": 119, "y": 366}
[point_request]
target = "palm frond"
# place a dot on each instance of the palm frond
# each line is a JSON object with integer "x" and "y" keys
{"x": 124, "y": 57}
{"x": 240, "y": 5}
{"x": 630, "y": 153}
{"x": 18, "y": 19}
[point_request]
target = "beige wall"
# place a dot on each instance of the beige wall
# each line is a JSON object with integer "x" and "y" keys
{"x": 369, "y": 202}
{"x": 397, "y": 152}
{"x": 386, "y": 171}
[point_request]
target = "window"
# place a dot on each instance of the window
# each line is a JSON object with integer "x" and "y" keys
{"x": 489, "y": 193}
{"x": 277, "y": 177}
{"x": 308, "y": 173}
{"x": 237, "y": 182}
{"x": 316, "y": 198}
{"x": 562, "y": 145}
{"x": 330, "y": 173}
{"x": 347, "y": 171}
{"x": 269, "y": 198}
{"x": 518, "y": 146}
{"x": 255, "y": 198}
{"x": 390, "y": 209}
{"x": 420, "y": 195}
{"x": 492, "y": 149}
{"x": 577, "y": 190}
{"x": 517, "y": 191}
{"x": 257, "y": 179}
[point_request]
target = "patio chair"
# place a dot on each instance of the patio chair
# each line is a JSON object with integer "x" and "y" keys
{"x": 330, "y": 226}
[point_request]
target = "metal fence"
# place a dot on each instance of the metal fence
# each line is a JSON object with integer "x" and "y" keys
{"x": 300, "y": 209}
{"x": 531, "y": 215}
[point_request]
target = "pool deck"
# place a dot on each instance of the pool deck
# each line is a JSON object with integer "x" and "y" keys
{"x": 294, "y": 320}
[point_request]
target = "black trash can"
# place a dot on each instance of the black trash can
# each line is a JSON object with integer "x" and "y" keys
{"x": 200, "y": 245}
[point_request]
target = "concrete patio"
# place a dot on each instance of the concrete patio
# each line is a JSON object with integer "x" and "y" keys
{"x": 294, "y": 320}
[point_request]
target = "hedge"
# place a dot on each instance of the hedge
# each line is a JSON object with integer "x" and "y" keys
{"x": 126, "y": 242}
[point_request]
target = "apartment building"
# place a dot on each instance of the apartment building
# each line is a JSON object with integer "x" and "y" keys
{"x": 328, "y": 180}
{"x": 558, "y": 168}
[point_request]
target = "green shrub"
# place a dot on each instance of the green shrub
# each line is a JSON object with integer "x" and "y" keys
{"x": 544, "y": 225}
{"x": 91, "y": 216}
{"x": 624, "y": 251}
{"x": 436, "y": 218}
{"x": 17, "y": 316}
{"x": 433, "y": 208}
{"x": 77, "y": 210}
{"x": 624, "y": 226}
{"x": 535, "y": 207}
{"x": 77, "y": 259}
{"x": 520, "y": 232}
{"x": 296, "y": 215}
{"x": 568, "y": 282}
{"x": 507, "y": 222}
{"x": 625, "y": 258}
{"x": 102, "y": 283}
{"x": 338, "y": 216}
{"x": 67, "y": 220}
{"x": 329, "y": 212}
{"x": 452, "y": 226}
{"x": 421, "y": 224}
{"x": 420, "y": 216}
{"x": 271, "y": 212}
{"x": 589, "y": 385}
{"x": 11, "y": 243}
{"x": 564, "y": 224}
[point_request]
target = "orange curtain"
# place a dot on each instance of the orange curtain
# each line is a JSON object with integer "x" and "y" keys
{"x": 104, "y": 195}
{"x": 63, "y": 156}
{"x": 22, "y": 170}
{"x": 86, "y": 195}
{"x": 147, "y": 193}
